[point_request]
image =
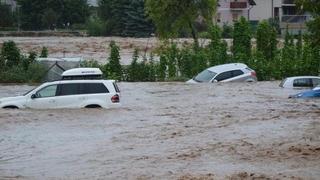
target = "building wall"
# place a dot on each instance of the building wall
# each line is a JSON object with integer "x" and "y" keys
{"x": 226, "y": 15}
{"x": 263, "y": 9}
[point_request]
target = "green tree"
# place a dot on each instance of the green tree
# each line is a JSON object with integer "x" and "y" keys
{"x": 136, "y": 22}
{"x": 134, "y": 69}
{"x": 152, "y": 68}
{"x": 74, "y": 12}
{"x": 242, "y": 40}
{"x": 313, "y": 7}
{"x": 125, "y": 18}
{"x": 96, "y": 27}
{"x": 26, "y": 61}
{"x": 113, "y": 13}
{"x": 44, "y": 52}
{"x": 266, "y": 40}
{"x": 113, "y": 68}
{"x": 7, "y": 16}
{"x": 49, "y": 18}
{"x": 10, "y": 54}
{"x": 172, "y": 58}
{"x": 217, "y": 49}
{"x": 162, "y": 68}
{"x": 34, "y": 14}
{"x": 227, "y": 31}
{"x": 170, "y": 17}
{"x": 185, "y": 62}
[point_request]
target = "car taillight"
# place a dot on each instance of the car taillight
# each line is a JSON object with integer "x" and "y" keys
{"x": 115, "y": 99}
{"x": 253, "y": 73}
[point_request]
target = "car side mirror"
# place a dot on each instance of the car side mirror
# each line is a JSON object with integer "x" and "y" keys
{"x": 215, "y": 81}
{"x": 33, "y": 96}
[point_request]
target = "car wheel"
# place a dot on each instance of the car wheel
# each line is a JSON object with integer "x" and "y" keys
{"x": 93, "y": 106}
{"x": 10, "y": 107}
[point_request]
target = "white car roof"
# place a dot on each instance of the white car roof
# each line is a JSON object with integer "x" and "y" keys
{"x": 82, "y": 72}
{"x": 299, "y": 77}
{"x": 227, "y": 67}
{"x": 79, "y": 81}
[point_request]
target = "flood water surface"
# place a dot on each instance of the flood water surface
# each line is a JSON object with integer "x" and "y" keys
{"x": 167, "y": 131}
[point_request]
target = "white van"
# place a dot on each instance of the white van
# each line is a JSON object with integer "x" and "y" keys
{"x": 87, "y": 91}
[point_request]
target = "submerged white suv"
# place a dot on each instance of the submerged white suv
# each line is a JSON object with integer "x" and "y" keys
{"x": 79, "y": 88}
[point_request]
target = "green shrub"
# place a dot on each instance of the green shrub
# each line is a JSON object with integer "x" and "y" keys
{"x": 10, "y": 54}
{"x": 227, "y": 31}
{"x": 90, "y": 64}
{"x": 44, "y": 52}
{"x": 113, "y": 68}
{"x": 96, "y": 27}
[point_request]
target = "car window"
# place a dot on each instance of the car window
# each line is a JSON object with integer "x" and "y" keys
{"x": 205, "y": 76}
{"x": 315, "y": 82}
{"x": 49, "y": 91}
{"x": 303, "y": 82}
{"x": 93, "y": 88}
{"x": 116, "y": 87}
{"x": 81, "y": 88}
{"x": 236, "y": 73}
{"x": 282, "y": 82}
{"x": 68, "y": 89}
{"x": 224, "y": 76}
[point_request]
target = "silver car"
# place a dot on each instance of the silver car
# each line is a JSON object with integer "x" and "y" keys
{"x": 235, "y": 72}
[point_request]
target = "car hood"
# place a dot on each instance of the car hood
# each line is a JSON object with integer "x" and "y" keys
{"x": 316, "y": 88}
{"x": 9, "y": 99}
{"x": 307, "y": 94}
{"x": 191, "y": 81}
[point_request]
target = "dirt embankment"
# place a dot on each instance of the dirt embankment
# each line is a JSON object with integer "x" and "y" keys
{"x": 96, "y": 48}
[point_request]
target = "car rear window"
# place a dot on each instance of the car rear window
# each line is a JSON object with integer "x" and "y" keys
{"x": 116, "y": 87}
{"x": 315, "y": 82}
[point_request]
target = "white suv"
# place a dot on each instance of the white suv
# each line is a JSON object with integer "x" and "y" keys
{"x": 82, "y": 93}
{"x": 234, "y": 72}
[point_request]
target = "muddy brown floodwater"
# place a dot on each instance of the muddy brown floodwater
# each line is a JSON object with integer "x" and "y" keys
{"x": 167, "y": 131}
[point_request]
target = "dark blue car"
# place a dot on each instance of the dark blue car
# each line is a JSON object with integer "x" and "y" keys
{"x": 307, "y": 94}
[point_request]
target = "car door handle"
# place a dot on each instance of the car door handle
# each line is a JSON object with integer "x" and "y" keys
{"x": 52, "y": 101}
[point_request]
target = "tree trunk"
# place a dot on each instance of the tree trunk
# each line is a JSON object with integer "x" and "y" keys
{"x": 194, "y": 35}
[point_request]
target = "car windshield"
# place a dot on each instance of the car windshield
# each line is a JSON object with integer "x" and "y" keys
{"x": 204, "y": 76}
{"x": 317, "y": 88}
{"x": 28, "y": 92}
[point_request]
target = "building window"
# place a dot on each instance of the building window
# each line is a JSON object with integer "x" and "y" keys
{"x": 276, "y": 12}
{"x": 235, "y": 16}
{"x": 218, "y": 17}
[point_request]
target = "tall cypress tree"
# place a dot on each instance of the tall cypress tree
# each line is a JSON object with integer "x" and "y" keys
{"x": 242, "y": 40}
{"x": 136, "y": 23}
{"x": 113, "y": 68}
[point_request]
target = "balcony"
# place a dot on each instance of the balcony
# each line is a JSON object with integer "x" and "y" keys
{"x": 289, "y": 2}
{"x": 238, "y": 5}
